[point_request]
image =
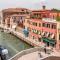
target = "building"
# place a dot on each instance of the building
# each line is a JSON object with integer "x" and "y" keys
{"x": 44, "y": 27}
{"x": 17, "y": 21}
{"x": 45, "y": 30}
{"x": 45, "y": 13}
{"x": 39, "y": 25}
{"x": 1, "y": 17}
{"x": 16, "y": 14}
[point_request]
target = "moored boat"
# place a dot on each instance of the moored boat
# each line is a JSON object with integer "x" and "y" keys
{"x": 6, "y": 30}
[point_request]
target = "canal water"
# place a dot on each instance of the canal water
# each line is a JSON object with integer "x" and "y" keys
{"x": 12, "y": 43}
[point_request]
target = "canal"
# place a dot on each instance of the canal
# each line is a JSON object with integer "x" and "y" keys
{"x": 12, "y": 43}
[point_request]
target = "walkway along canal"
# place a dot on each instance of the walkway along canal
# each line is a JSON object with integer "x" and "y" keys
{"x": 12, "y": 43}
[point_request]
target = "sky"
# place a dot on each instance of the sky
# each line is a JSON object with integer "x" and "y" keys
{"x": 30, "y": 4}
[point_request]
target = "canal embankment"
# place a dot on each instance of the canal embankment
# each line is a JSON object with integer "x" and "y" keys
{"x": 33, "y": 54}
{"x": 12, "y": 43}
{"x": 25, "y": 39}
{"x": 25, "y": 52}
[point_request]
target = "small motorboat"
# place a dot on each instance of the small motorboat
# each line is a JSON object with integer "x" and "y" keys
{"x": 2, "y": 30}
{"x": 6, "y": 30}
{"x": 3, "y": 53}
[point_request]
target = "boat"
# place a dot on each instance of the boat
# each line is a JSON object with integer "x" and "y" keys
{"x": 6, "y": 30}
{"x": 2, "y": 30}
{"x": 3, "y": 53}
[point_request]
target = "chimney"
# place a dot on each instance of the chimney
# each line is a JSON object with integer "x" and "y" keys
{"x": 44, "y": 7}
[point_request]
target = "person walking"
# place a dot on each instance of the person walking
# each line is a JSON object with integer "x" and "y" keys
{"x": 45, "y": 50}
{"x": 39, "y": 54}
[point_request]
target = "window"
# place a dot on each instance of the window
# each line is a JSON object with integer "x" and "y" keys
{"x": 24, "y": 27}
{"x": 22, "y": 10}
{"x": 13, "y": 17}
{"x": 39, "y": 24}
{"x": 29, "y": 29}
{"x": 44, "y": 25}
{"x": 44, "y": 16}
{"x": 33, "y": 37}
{"x": 20, "y": 17}
{"x": 14, "y": 20}
{"x": 27, "y": 12}
{"x": 53, "y": 16}
{"x": 48, "y": 25}
{"x": 39, "y": 32}
{"x": 53, "y": 26}
{"x": 59, "y": 36}
{"x": 28, "y": 21}
{"x": 39, "y": 39}
{"x": 35, "y": 24}
{"x": 36, "y": 31}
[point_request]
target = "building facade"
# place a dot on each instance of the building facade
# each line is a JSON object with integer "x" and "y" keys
{"x": 18, "y": 15}
{"x": 39, "y": 25}
{"x": 45, "y": 30}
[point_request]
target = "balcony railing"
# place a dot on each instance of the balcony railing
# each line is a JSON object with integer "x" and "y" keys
{"x": 49, "y": 20}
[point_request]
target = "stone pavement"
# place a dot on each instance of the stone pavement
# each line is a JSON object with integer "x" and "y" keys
{"x": 33, "y": 56}
{"x": 28, "y": 39}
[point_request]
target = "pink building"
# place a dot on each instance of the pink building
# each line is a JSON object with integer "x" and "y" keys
{"x": 45, "y": 30}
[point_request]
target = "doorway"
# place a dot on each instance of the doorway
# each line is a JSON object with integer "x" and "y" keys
{"x": 39, "y": 39}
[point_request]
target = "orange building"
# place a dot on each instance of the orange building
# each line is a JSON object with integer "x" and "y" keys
{"x": 17, "y": 14}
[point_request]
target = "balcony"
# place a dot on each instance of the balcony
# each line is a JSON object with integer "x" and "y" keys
{"x": 49, "y": 20}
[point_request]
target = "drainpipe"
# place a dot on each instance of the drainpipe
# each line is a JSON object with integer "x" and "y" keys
{"x": 41, "y": 33}
{"x": 57, "y": 39}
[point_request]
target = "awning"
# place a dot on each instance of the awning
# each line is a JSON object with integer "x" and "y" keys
{"x": 35, "y": 31}
{"x": 39, "y": 32}
{"x": 52, "y": 36}
{"x": 43, "y": 33}
{"x": 48, "y": 40}
{"x": 47, "y": 34}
